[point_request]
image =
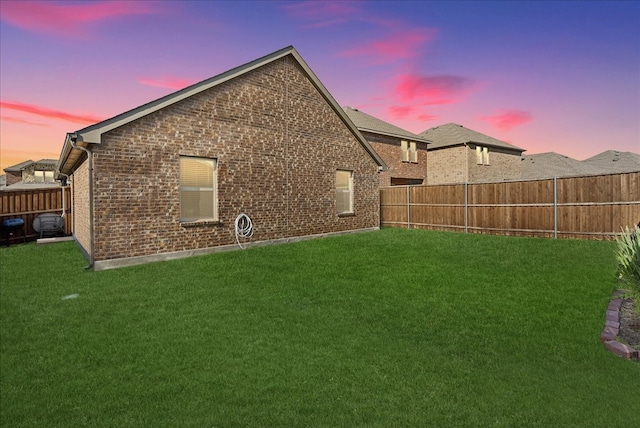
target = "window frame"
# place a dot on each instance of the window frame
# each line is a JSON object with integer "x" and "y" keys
{"x": 413, "y": 152}
{"x": 43, "y": 176}
{"x": 482, "y": 155}
{"x": 349, "y": 191}
{"x": 199, "y": 188}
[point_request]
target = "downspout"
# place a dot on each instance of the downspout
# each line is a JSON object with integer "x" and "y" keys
{"x": 62, "y": 186}
{"x": 91, "y": 233}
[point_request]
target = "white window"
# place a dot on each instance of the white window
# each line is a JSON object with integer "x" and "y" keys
{"x": 409, "y": 151}
{"x": 198, "y": 189}
{"x": 344, "y": 191}
{"x": 482, "y": 155}
{"x": 43, "y": 176}
{"x": 413, "y": 153}
{"x": 404, "y": 145}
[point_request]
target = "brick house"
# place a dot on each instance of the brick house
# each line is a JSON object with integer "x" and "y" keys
{"x": 169, "y": 178}
{"x": 31, "y": 175}
{"x": 404, "y": 153}
{"x": 458, "y": 154}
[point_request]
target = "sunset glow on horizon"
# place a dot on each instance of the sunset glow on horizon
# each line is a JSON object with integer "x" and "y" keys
{"x": 544, "y": 76}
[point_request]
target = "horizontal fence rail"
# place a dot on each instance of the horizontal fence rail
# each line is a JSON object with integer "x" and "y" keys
{"x": 591, "y": 207}
{"x": 29, "y": 204}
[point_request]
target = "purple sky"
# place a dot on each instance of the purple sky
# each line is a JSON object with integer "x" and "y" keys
{"x": 545, "y": 76}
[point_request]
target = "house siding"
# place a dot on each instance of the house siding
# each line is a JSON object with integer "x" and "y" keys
{"x": 80, "y": 208}
{"x": 389, "y": 149}
{"x": 277, "y": 143}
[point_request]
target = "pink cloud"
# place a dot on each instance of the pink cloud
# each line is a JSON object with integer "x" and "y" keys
{"x": 508, "y": 119}
{"x": 48, "y": 113}
{"x": 167, "y": 82}
{"x": 21, "y": 121}
{"x": 323, "y": 14}
{"x": 405, "y": 112}
{"x": 429, "y": 90}
{"x": 423, "y": 117}
{"x": 401, "y": 112}
{"x": 401, "y": 45}
{"x": 66, "y": 18}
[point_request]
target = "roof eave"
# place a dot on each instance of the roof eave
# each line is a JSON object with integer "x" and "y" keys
{"x": 416, "y": 138}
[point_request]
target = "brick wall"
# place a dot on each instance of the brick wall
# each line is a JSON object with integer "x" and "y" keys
{"x": 503, "y": 165}
{"x": 80, "y": 207}
{"x": 448, "y": 165}
{"x": 277, "y": 143}
{"x": 13, "y": 177}
{"x": 389, "y": 149}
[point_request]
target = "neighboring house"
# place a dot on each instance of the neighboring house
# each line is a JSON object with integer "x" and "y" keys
{"x": 404, "y": 153}
{"x": 3, "y": 181}
{"x": 458, "y": 154}
{"x": 169, "y": 178}
{"x": 549, "y": 165}
{"x": 31, "y": 175}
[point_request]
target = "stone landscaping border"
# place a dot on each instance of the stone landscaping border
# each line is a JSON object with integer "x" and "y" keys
{"x": 612, "y": 328}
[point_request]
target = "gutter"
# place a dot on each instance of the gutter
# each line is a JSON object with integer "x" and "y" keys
{"x": 91, "y": 229}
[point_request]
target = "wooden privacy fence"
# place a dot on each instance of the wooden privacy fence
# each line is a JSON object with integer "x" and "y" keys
{"x": 28, "y": 204}
{"x": 590, "y": 207}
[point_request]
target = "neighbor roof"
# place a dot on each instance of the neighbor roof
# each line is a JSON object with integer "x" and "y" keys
{"x": 368, "y": 123}
{"x": 22, "y": 165}
{"x": 551, "y": 164}
{"x": 613, "y": 161}
{"x": 452, "y": 134}
{"x": 70, "y": 155}
{"x": 19, "y": 166}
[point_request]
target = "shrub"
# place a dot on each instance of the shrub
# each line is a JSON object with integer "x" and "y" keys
{"x": 628, "y": 256}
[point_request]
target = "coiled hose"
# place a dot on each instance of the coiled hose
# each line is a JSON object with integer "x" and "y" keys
{"x": 244, "y": 228}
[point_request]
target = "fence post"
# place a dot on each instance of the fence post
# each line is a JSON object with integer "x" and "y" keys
{"x": 466, "y": 207}
{"x": 555, "y": 207}
{"x": 408, "y": 208}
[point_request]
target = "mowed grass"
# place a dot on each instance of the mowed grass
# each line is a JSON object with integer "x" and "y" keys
{"x": 388, "y": 328}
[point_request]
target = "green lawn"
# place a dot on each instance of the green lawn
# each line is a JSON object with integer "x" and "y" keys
{"x": 388, "y": 328}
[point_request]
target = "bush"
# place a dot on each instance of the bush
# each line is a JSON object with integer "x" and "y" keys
{"x": 628, "y": 256}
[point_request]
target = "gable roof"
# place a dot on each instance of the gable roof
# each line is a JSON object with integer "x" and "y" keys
{"x": 71, "y": 154}
{"x": 452, "y": 134}
{"x": 368, "y": 123}
{"x": 613, "y": 161}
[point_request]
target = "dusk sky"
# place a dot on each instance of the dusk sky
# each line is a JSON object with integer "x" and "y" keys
{"x": 543, "y": 75}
